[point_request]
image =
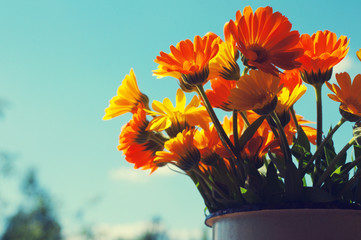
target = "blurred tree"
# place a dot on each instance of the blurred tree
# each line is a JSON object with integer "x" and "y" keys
{"x": 155, "y": 232}
{"x": 35, "y": 220}
{"x": 205, "y": 235}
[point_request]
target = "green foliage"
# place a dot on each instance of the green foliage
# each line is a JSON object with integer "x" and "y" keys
{"x": 35, "y": 221}
{"x": 38, "y": 224}
{"x": 249, "y": 132}
{"x": 155, "y": 231}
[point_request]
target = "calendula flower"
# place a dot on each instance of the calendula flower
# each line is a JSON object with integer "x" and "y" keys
{"x": 255, "y": 91}
{"x": 291, "y": 130}
{"x": 322, "y": 52}
{"x": 292, "y": 90}
{"x": 139, "y": 145}
{"x": 265, "y": 40}
{"x": 128, "y": 98}
{"x": 176, "y": 119}
{"x": 218, "y": 95}
{"x": 181, "y": 151}
{"x": 224, "y": 64}
{"x": 254, "y": 151}
{"x": 348, "y": 94}
{"x": 358, "y": 54}
{"x": 188, "y": 61}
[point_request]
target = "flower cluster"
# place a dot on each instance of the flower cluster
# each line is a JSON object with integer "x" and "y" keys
{"x": 261, "y": 152}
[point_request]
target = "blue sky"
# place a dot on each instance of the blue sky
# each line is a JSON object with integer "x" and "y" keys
{"x": 62, "y": 61}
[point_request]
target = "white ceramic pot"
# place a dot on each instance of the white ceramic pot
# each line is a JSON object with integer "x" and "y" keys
{"x": 288, "y": 224}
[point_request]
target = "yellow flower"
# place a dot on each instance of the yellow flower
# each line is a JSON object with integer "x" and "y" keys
{"x": 255, "y": 91}
{"x": 181, "y": 151}
{"x": 224, "y": 64}
{"x": 127, "y": 99}
{"x": 358, "y": 54}
{"x": 176, "y": 119}
{"x": 292, "y": 90}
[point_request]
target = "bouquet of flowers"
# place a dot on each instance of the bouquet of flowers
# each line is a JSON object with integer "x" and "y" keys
{"x": 261, "y": 153}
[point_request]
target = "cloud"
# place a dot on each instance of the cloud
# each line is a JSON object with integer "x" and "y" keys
{"x": 345, "y": 65}
{"x": 137, "y": 175}
{"x": 106, "y": 231}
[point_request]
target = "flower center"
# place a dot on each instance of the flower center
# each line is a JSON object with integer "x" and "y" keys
{"x": 258, "y": 54}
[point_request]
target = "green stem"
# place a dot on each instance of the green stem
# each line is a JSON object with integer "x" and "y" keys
{"x": 351, "y": 165}
{"x": 320, "y": 148}
{"x": 294, "y": 118}
{"x": 318, "y": 89}
{"x": 282, "y": 135}
{"x": 349, "y": 184}
{"x": 222, "y": 134}
{"x": 245, "y": 119}
{"x": 333, "y": 163}
{"x": 235, "y": 130}
{"x": 210, "y": 183}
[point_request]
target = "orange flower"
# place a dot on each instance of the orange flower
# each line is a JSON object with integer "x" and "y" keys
{"x": 322, "y": 52}
{"x": 128, "y": 98}
{"x": 291, "y": 130}
{"x": 347, "y": 93}
{"x": 218, "y": 95}
{"x": 255, "y": 149}
{"x": 255, "y": 91}
{"x": 137, "y": 144}
{"x": 358, "y": 54}
{"x": 265, "y": 40}
{"x": 188, "y": 61}
{"x": 181, "y": 151}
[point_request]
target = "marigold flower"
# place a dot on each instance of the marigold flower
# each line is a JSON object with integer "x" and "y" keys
{"x": 181, "y": 151}
{"x": 254, "y": 150}
{"x": 128, "y": 98}
{"x": 347, "y": 93}
{"x": 291, "y": 130}
{"x": 358, "y": 54}
{"x": 322, "y": 52}
{"x": 139, "y": 145}
{"x": 265, "y": 40}
{"x": 188, "y": 61}
{"x": 176, "y": 119}
{"x": 292, "y": 90}
{"x": 224, "y": 64}
{"x": 218, "y": 95}
{"x": 255, "y": 91}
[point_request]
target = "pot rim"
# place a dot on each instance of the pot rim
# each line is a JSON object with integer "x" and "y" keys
{"x": 210, "y": 218}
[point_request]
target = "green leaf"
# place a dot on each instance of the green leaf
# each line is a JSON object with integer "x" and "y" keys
{"x": 273, "y": 189}
{"x": 357, "y": 150}
{"x": 357, "y": 194}
{"x": 279, "y": 163}
{"x": 329, "y": 151}
{"x": 293, "y": 182}
{"x": 250, "y": 196}
{"x": 302, "y": 139}
{"x": 339, "y": 175}
{"x": 302, "y": 155}
{"x": 317, "y": 195}
{"x": 249, "y": 132}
